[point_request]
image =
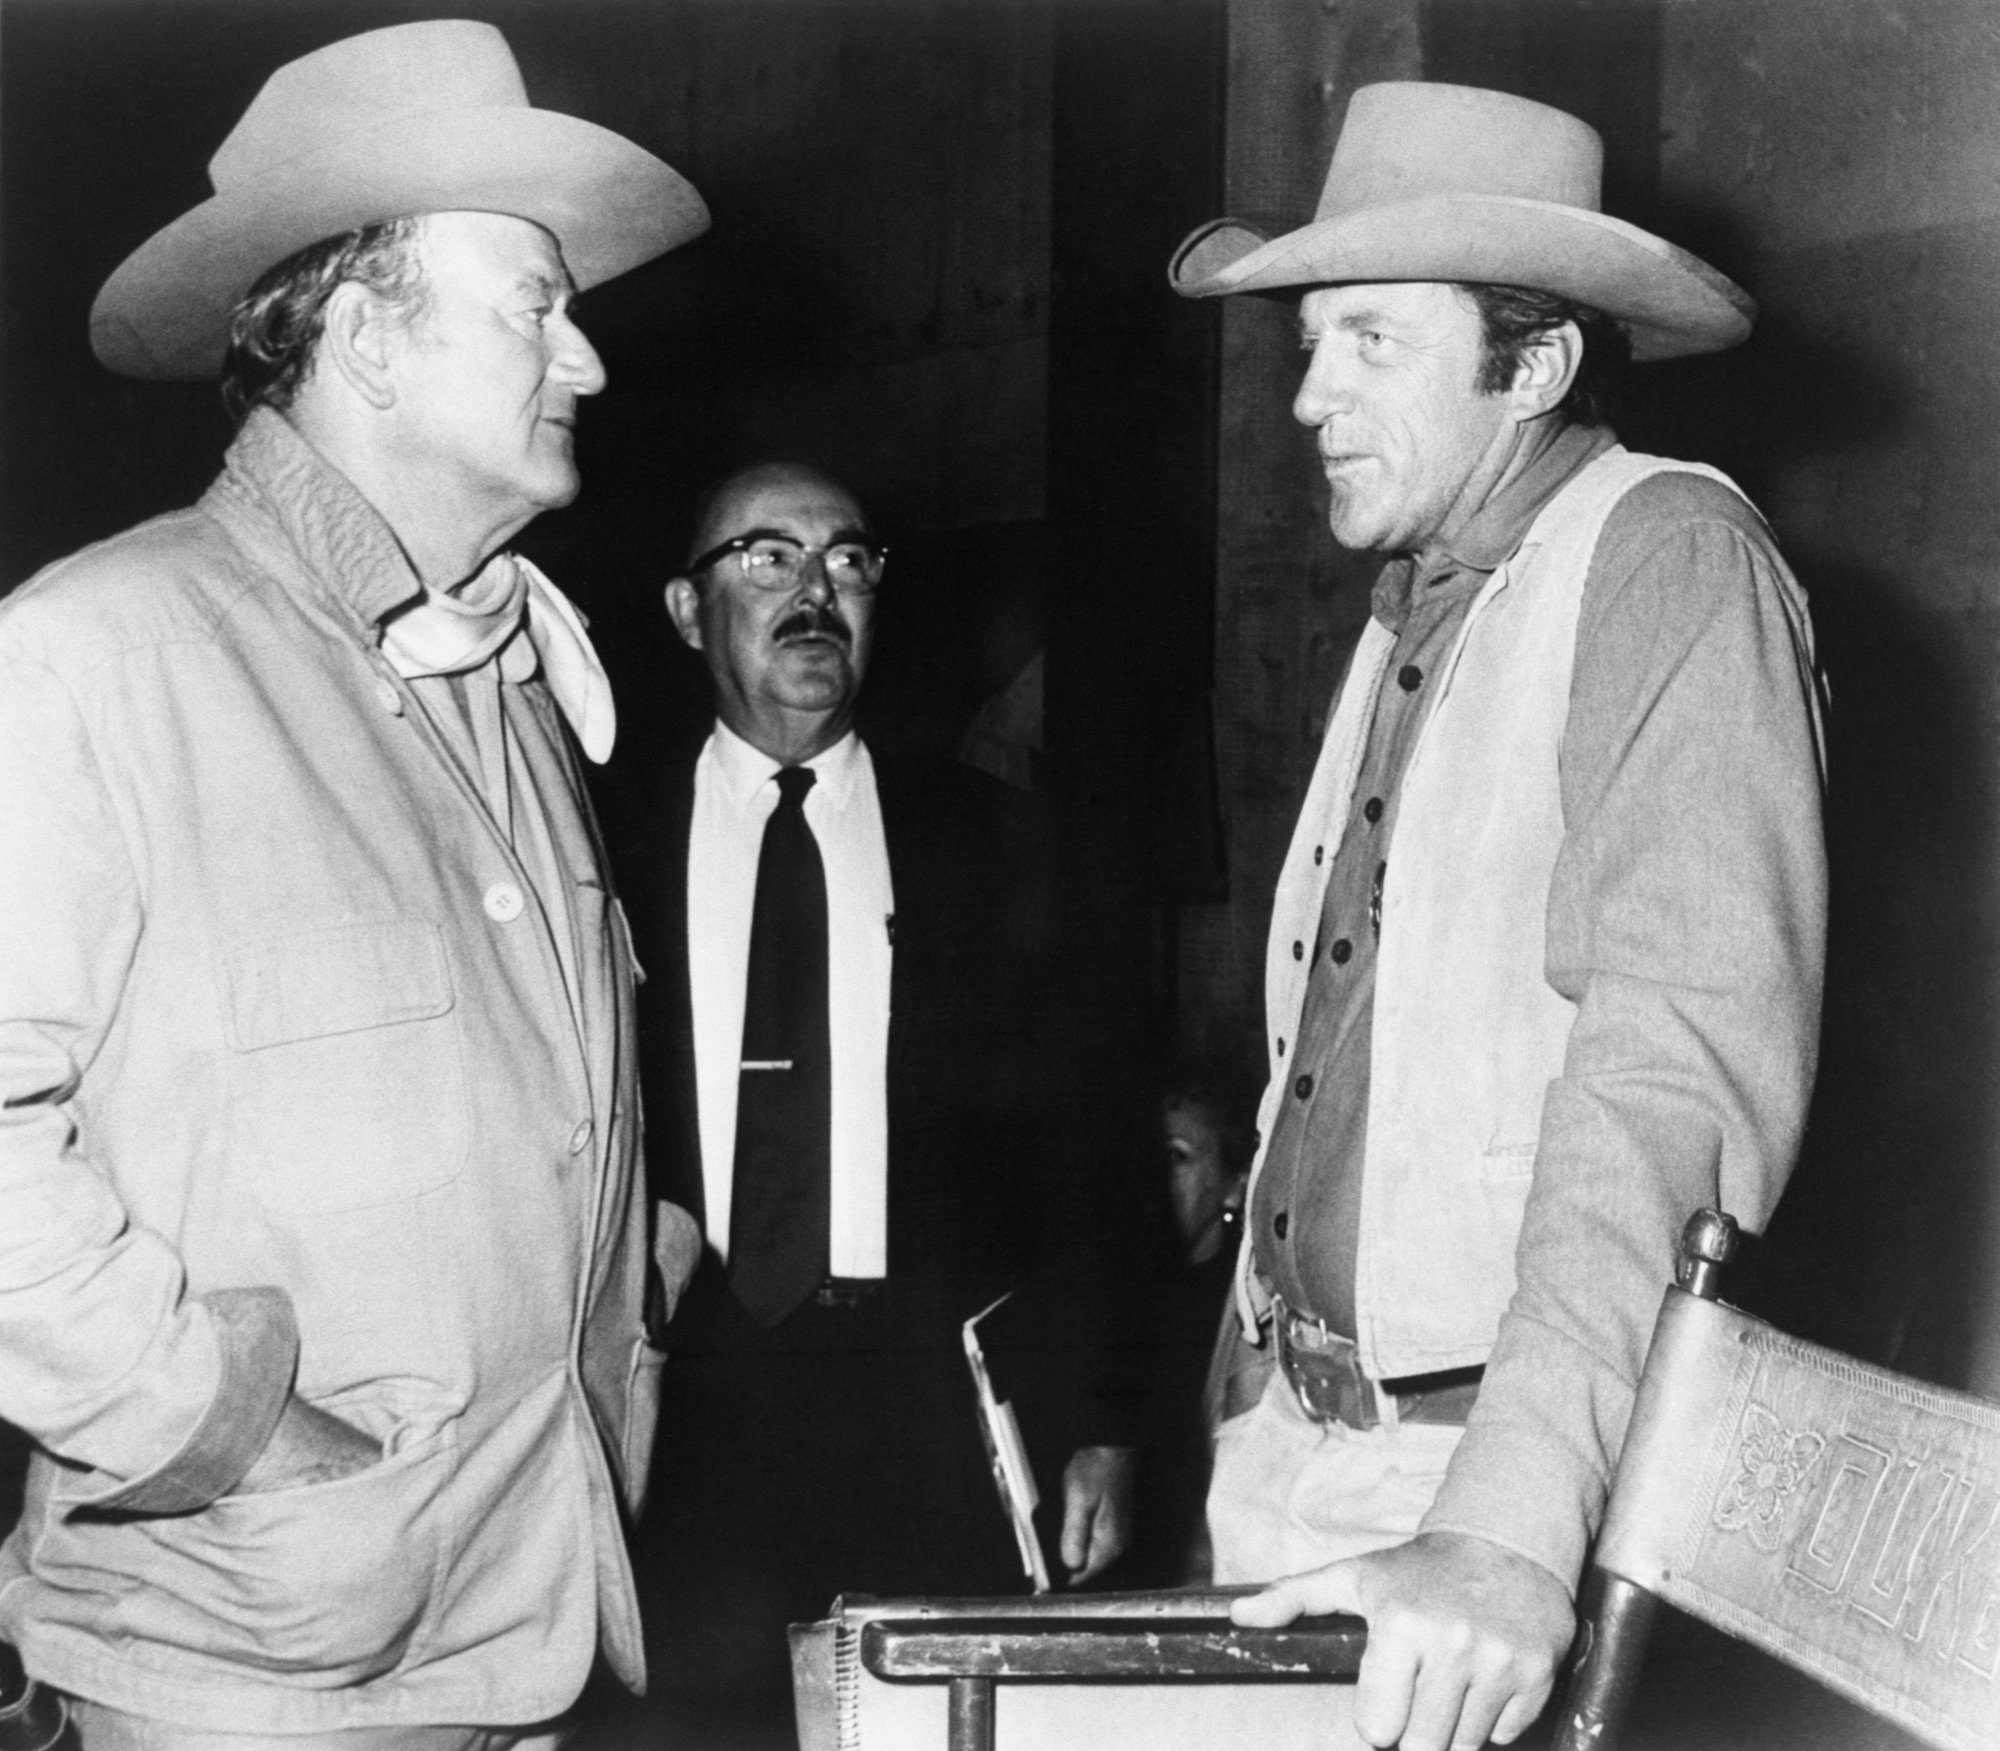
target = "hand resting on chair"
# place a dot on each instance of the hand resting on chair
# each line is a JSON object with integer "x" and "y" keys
{"x": 1464, "y": 1637}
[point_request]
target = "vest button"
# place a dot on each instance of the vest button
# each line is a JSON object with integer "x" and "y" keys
{"x": 1409, "y": 677}
{"x": 1319, "y": 854}
{"x": 1281, "y": 1045}
{"x": 1303, "y": 1088}
{"x": 1341, "y": 951}
{"x": 1298, "y": 951}
{"x": 1281, "y": 1224}
{"x": 1371, "y": 810}
{"x": 503, "y": 902}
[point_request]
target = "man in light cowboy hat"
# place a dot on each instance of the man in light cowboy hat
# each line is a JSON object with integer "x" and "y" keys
{"x": 1545, "y": 960}
{"x": 322, "y": 1239}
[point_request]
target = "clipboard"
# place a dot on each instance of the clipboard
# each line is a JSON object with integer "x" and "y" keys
{"x": 1007, "y": 1454}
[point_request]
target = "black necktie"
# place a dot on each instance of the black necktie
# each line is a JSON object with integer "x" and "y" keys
{"x": 780, "y": 1198}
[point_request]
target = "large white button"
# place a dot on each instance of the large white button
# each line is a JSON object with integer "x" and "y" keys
{"x": 503, "y": 902}
{"x": 579, "y": 1138}
{"x": 385, "y": 691}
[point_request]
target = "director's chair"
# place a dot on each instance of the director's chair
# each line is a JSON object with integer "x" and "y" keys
{"x": 1840, "y": 1517}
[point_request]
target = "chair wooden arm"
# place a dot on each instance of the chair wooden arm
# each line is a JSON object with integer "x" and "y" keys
{"x": 1071, "y": 1648}
{"x": 1130, "y": 1637}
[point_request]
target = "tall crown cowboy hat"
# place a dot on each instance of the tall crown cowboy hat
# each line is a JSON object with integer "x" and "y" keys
{"x": 1446, "y": 182}
{"x": 417, "y": 118}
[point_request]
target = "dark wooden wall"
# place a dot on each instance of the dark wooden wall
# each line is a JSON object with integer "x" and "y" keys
{"x": 1138, "y": 144}
{"x": 1844, "y": 160}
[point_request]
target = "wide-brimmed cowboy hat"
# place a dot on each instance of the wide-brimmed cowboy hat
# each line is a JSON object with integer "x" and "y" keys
{"x": 418, "y": 118}
{"x": 1446, "y": 182}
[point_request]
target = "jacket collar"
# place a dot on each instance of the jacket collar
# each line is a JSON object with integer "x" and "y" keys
{"x": 342, "y": 541}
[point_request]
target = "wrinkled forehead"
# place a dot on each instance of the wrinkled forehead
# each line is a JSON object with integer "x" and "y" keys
{"x": 492, "y": 252}
{"x": 795, "y": 502}
{"x": 1397, "y": 303}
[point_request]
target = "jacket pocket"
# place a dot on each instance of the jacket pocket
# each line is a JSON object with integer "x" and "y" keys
{"x": 327, "y": 1584}
{"x": 349, "y": 1082}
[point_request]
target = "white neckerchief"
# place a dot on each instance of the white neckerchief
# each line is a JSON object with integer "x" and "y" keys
{"x": 449, "y": 634}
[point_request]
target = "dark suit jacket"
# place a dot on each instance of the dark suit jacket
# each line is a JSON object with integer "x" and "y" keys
{"x": 994, "y": 1147}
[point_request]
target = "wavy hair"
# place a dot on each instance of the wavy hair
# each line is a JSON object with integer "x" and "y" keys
{"x": 275, "y": 330}
{"x": 1512, "y": 318}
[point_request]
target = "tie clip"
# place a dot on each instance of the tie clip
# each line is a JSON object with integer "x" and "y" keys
{"x": 765, "y": 1064}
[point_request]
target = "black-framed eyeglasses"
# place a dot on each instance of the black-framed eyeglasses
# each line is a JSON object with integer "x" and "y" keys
{"x": 776, "y": 562}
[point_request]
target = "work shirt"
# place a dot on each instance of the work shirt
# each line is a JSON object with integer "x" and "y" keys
{"x": 477, "y": 716}
{"x": 735, "y": 792}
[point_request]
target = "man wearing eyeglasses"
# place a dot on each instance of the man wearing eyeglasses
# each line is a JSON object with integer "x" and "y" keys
{"x": 847, "y": 963}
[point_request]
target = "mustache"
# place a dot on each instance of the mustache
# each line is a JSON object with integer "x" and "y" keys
{"x": 813, "y": 619}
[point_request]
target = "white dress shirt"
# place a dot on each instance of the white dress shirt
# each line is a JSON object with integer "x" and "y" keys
{"x": 734, "y": 795}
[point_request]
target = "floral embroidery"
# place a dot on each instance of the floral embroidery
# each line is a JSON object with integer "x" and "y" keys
{"x": 1775, "y": 1464}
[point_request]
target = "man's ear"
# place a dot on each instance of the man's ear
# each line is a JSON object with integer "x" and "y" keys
{"x": 684, "y": 610}
{"x": 1548, "y": 367}
{"x": 358, "y": 341}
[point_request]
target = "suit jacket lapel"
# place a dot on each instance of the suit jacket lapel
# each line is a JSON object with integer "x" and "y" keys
{"x": 673, "y": 1115}
{"x": 902, "y": 835}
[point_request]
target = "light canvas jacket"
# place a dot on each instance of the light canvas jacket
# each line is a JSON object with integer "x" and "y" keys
{"x": 1468, "y": 1033}
{"x": 290, "y": 1077}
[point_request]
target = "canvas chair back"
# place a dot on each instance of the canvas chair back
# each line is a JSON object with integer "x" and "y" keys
{"x": 1843, "y": 1518}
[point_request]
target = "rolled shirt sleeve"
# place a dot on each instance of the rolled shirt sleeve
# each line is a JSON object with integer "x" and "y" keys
{"x": 1686, "y": 921}
{"x": 105, "y": 1358}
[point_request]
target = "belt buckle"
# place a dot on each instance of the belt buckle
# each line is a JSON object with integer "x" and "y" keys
{"x": 1325, "y": 1376}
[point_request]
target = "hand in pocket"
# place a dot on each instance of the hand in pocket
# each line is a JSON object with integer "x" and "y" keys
{"x": 308, "y": 1446}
